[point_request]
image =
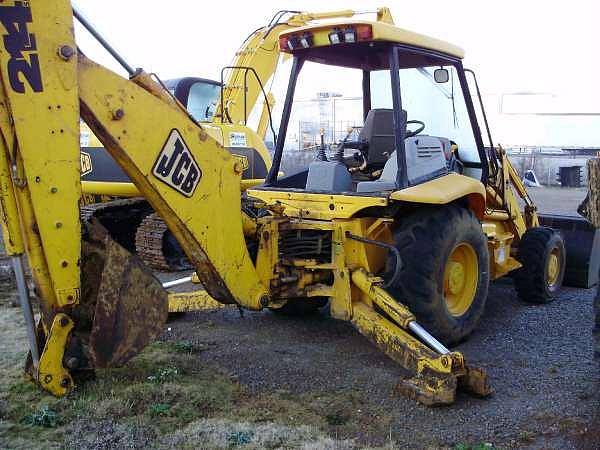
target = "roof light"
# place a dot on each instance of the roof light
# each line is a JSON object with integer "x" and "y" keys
{"x": 294, "y": 42}
{"x": 336, "y": 36}
{"x": 283, "y": 43}
{"x": 350, "y": 35}
{"x": 306, "y": 40}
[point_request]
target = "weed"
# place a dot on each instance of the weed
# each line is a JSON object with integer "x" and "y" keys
{"x": 186, "y": 347}
{"x": 240, "y": 438}
{"x": 164, "y": 375}
{"x": 336, "y": 418}
{"x": 43, "y": 417}
{"x": 480, "y": 446}
{"x": 159, "y": 409}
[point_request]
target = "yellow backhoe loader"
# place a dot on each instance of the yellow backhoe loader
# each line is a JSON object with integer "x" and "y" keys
{"x": 402, "y": 236}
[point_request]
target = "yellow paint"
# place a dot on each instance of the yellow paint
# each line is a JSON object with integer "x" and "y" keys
{"x": 444, "y": 190}
{"x": 51, "y": 374}
{"x": 460, "y": 279}
{"x": 316, "y": 206}
{"x": 261, "y": 52}
{"x": 46, "y": 144}
{"x": 384, "y": 32}
{"x": 192, "y": 301}
{"x": 264, "y": 123}
{"x": 134, "y": 119}
{"x": 553, "y": 269}
{"x": 11, "y": 232}
{"x": 110, "y": 189}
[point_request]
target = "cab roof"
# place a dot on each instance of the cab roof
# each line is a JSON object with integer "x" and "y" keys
{"x": 384, "y": 32}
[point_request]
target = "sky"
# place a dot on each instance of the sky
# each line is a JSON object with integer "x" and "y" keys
{"x": 549, "y": 49}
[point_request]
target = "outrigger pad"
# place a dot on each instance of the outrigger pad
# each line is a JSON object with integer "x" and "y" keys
{"x": 436, "y": 390}
{"x": 131, "y": 306}
{"x": 430, "y": 391}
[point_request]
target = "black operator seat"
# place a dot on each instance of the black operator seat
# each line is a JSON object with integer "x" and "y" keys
{"x": 425, "y": 155}
{"x": 379, "y": 136}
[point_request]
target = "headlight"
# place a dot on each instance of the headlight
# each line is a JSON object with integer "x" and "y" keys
{"x": 350, "y": 35}
{"x": 306, "y": 40}
{"x": 336, "y": 36}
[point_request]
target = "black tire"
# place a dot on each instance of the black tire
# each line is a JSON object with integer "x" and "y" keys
{"x": 532, "y": 281}
{"x": 426, "y": 241}
{"x": 301, "y": 306}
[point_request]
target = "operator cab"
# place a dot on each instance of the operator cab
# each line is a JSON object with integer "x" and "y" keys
{"x": 417, "y": 118}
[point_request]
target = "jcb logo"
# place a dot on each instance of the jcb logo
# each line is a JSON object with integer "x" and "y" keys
{"x": 17, "y": 39}
{"x": 86, "y": 163}
{"x": 176, "y": 167}
{"x": 243, "y": 160}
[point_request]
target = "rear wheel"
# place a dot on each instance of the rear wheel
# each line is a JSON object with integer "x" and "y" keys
{"x": 542, "y": 253}
{"x": 444, "y": 279}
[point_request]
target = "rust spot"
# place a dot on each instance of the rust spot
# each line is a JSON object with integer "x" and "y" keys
{"x": 130, "y": 304}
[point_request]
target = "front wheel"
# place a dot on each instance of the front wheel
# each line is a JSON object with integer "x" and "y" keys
{"x": 542, "y": 254}
{"x": 444, "y": 278}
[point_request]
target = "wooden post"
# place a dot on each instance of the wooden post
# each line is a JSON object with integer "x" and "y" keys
{"x": 590, "y": 208}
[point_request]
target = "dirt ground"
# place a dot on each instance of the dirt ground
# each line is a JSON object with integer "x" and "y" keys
{"x": 220, "y": 380}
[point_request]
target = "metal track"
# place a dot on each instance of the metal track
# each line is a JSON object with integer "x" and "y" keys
{"x": 157, "y": 247}
{"x": 134, "y": 225}
{"x": 120, "y": 217}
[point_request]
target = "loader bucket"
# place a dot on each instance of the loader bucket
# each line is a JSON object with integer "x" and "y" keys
{"x": 127, "y": 304}
{"x": 582, "y": 242}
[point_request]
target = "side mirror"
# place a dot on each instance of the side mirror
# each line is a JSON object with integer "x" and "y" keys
{"x": 441, "y": 75}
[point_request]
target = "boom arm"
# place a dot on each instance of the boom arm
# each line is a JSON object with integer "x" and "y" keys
{"x": 177, "y": 165}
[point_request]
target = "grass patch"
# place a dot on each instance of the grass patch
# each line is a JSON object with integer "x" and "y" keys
{"x": 159, "y": 409}
{"x": 43, "y": 417}
{"x": 240, "y": 438}
{"x": 165, "y": 398}
{"x": 163, "y": 375}
{"x": 479, "y": 446}
{"x": 188, "y": 347}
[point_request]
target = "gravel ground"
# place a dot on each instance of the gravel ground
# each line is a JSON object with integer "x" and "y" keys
{"x": 539, "y": 359}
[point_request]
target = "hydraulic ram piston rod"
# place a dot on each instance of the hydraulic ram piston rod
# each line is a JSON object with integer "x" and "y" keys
{"x": 88, "y": 26}
{"x": 26, "y": 307}
{"x": 398, "y": 312}
{"x": 424, "y": 335}
{"x": 177, "y": 282}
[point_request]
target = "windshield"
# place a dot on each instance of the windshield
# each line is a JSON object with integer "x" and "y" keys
{"x": 202, "y": 101}
{"x": 354, "y": 115}
{"x": 440, "y": 106}
{"x": 327, "y": 101}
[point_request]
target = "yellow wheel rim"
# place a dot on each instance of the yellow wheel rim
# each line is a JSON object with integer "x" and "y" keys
{"x": 553, "y": 269}
{"x": 460, "y": 279}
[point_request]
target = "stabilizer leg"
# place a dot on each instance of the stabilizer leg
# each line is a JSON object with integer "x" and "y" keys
{"x": 436, "y": 372}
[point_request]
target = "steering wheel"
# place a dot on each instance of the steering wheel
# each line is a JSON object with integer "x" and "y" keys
{"x": 417, "y": 131}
